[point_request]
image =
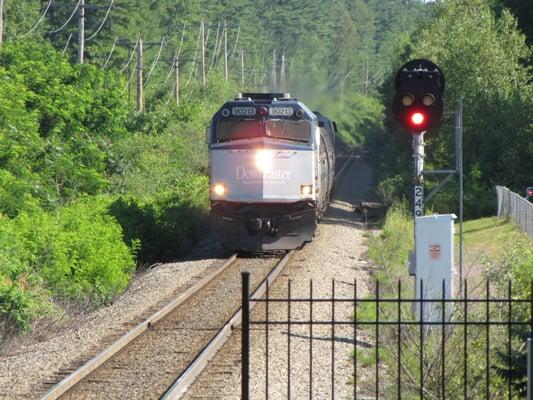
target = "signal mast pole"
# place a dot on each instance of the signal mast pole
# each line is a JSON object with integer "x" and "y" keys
{"x": 418, "y": 154}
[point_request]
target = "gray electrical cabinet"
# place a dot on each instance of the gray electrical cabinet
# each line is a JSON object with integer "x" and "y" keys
{"x": 433, "y": 264}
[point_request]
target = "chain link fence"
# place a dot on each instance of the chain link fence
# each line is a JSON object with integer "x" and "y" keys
{"x": 518, "y": 208}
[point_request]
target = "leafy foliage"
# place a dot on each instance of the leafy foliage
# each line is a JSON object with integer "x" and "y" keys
{"x": 167, "y": 224}
{"x": 57, "y": 121}
{"x": 76, "y": 253}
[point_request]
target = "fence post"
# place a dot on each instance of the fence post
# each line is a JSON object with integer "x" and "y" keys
{"x": 499, "y": 200}
{"x": 530, "y": 369}
{"x": 245, "y": 337}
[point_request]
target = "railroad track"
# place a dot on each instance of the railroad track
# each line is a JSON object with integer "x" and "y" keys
{"x": 163, "y": 355}
{"x": 347, "y": 160}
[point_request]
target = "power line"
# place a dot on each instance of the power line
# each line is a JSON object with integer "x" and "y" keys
{"x": 132, "y": 54}
{"x": 236, "y": 40}
{"x": 171, "y": 70}
{"x": 152, "y": 68}
{"x": 38, "y": 22}
{"x": 181, "y": 40}
{"x": 68, "y": 20}
{"x": 103, "y": 22}
{"x": 194, "y": 60}
{"x": 68, "y": 43}
{"x": 176, "y": 56}
{"x": 216, "y": 49}
{"x": 127, "y": 84}
{"x": 108, "y": 58}
{"x": 207, "y": 36}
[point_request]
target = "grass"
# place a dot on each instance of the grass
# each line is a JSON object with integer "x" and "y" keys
{"x": 494, "y": 249}
{"x": 485, "y": 235}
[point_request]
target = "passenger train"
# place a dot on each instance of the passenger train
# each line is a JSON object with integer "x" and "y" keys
{"x": 272, "y": 164}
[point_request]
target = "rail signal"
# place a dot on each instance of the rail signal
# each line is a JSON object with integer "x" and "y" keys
{"x": 417, "y": 104}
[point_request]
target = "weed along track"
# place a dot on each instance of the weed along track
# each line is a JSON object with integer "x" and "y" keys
{"x": 148, "y": 360}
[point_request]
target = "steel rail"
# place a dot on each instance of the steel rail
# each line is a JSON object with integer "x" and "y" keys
{"x": 82, "y": 372}
{"x": 345, "y": 165}
{"x": 185, "y": 380}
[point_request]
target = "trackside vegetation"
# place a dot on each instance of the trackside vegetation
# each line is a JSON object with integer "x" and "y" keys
{"x": 508, "y": 257}
{"x": 91, "y": 190}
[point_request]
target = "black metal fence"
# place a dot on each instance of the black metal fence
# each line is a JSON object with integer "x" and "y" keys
{"x": 471, "y": 347}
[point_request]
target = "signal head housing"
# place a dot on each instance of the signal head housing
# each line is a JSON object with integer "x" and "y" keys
{"x": 418, "y": 101}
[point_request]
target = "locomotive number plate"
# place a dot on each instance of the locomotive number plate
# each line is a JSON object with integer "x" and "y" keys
{"x": 243, "y": 111}
{"x": 281, "y": 111}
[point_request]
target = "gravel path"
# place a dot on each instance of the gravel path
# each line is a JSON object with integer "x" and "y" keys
{"x": 29, "y": 365}
{"x": 336, "y": 253}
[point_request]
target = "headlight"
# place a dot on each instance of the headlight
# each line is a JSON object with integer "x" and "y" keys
{"x": 306, "y": 190}
{"x": 264, "y": 160}
{"x": 219, "y": 189}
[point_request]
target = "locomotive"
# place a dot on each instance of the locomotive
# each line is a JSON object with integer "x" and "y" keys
{"x": 272, "y": 166}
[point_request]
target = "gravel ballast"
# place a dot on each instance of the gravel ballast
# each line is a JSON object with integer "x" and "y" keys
{"x": 336, "y": 253}
{"x": 28, "y": 367}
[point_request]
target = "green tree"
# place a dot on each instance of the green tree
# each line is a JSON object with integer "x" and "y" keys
{"x": 57, "y": 123}
{"x": 497, "y": 94}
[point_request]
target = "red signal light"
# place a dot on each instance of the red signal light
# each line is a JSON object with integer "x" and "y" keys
{"x": 417, "y": 118}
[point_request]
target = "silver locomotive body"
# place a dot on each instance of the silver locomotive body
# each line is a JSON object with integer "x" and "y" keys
{"x": 271, "y": 172}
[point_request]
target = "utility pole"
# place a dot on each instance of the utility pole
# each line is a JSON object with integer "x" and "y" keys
{"x": 202, "y": 52}
{"x": 1, "y": 22}
{"x": 177, "y": 81}
{"x": 140, "y": 94}
{"x": 81, "y": 33}
{"x": 225, "y": 50}
{"x": 129, "y": 73}
{"x": 274, "y": 77}
{"x": 242, "y": 68}
{"x": 283, "y": 82}
{"x": 81, "y": 6}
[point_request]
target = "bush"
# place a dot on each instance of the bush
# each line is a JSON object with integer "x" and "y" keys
{"x": 169, "y": 223}
{"x": 73, "y": 255}
{"x": 18, "y": 306}
{"x": 86, "y": 257}
{"x": 57, "y": 123}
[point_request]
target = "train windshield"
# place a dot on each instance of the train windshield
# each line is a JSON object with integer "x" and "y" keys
{"x": 247, "y": 129}
{"x": 290, "y": 130}
{"x": 240, "y": 129}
